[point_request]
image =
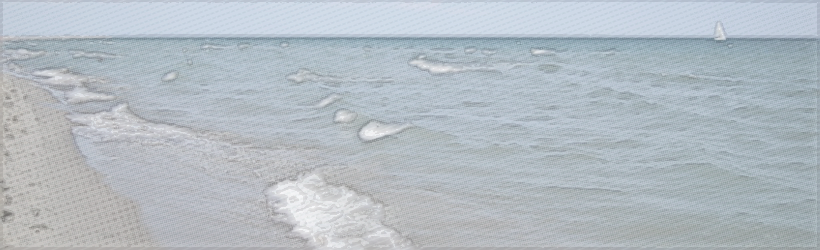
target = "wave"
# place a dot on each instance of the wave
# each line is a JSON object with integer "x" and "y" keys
{"x": 332, "y": 217}
{"x": 63, "y": 77}
{"x": 436, "y": 67}
{"x": 91, "y": 54}
{"x": 120, "y": 124}
{"x": 82, "y": 95}
{"x": 330, "y": 99}
{"x": 305, "y": 75}
{"x": 22, "y": 54}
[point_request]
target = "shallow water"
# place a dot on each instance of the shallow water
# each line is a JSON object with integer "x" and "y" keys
{"x": 504, "y": 142}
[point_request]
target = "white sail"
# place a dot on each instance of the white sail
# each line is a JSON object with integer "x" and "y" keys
{"x": 720, "y": 34}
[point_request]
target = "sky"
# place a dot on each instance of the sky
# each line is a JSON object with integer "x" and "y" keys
{"x": 390, "y": 19}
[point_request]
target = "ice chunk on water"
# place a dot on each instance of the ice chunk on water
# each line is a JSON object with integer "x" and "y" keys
{"x": 375, "y": 130}
{"x": 243, "y": 46}
{"x": 332, "y": 217}
{"x": 304, "y": 75}
{"x": 330, "y": 99}
{"x": 81, "y": 95}
{"x": 284, "y": 44}
{"x": 344, "y": 116}
{"x": 170, "y": 76}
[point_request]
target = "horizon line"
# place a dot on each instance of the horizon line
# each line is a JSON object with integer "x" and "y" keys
{"x": 51, "y": 37}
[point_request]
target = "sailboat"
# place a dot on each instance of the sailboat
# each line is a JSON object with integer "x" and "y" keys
{"x": 720, "y": 34}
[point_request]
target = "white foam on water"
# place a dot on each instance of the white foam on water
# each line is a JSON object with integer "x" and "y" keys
{"x": 209, "y": 46}
{"x": 304, "y": 75}
{"x": 121, "y": 124}
{"x": 332, "y": 217}
{"x": 344, "y": 116}
{"x": 91, "y": 54}
{"x": 82, "y": 95}
{"x": 438, "y": 67}
{"x": 22, "y": 54}
{"x": 62, "y": 77}
{"x": 243, "y": 46}
{"x": 376, "y": 130}
{"x": 330, "y": 99}
{"x": 189, "y": 62}
{"x": 489, "y": 52}
{"x": 284, "y": 44}
{"x": 542, "y": 52}
{"x": 170, "y": 76}
{"x": 470, "y": 50}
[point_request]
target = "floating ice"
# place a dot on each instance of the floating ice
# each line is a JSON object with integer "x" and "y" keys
{"x": 284, "y": 44}
{"x": 344, "y": 116}
{"x": 542, "y": 52}
{"x": 22, "y": 54}
{"x": 375, "y": 129}
{"x": 81, "y": 95}
{"x": 332, "y": 217}
{"x": 62, "y": 76}
{"x": 438, "y": 67}
{"x": 470, "y": 50}
{"x": 91, "y": 54}
{"x": 170, "y": 76}
{"x": 208, "y": 46}
{"x": 329, "y": 100}
{"x": 243, "y": 46}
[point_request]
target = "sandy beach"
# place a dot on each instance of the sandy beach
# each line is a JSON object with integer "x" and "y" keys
{"x": 51, "y": 197}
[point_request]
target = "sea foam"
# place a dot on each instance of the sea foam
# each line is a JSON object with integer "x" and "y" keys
{"x": 170, "y": 76}
{"x": 82, "y": 95}
{"x": 375, "y": 130}
{"x": 305, "y": 75}
{"x": 436, "y": 67}
{"x": 344, "y": 116}
{"x": 542, "y": 52}
{"x": 332, "y": 217}
{"x": 22, "y": 54}
{"x": 91, "y": 54}
{"x": 330, "y": 99}
{"x": 62, "y": 76}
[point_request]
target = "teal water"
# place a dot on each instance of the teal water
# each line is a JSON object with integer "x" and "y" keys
{"x": 597, "y": 142}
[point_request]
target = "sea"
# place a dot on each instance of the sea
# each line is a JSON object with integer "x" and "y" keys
{"x": 360, "y": 143}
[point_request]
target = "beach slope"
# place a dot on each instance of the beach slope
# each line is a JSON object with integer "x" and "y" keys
{"x": 51, "y": 197}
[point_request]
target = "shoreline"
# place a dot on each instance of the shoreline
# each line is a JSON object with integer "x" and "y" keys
{"x": 52, "y": 198}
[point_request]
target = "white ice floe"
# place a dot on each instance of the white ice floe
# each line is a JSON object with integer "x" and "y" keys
{"x": 22, "y": 54}
{"x": 344, "y": 116}
{"x": 62, "y": 76}
{"x": 284, "y": 44}
{"x": 170, "y": 76}
{"x": 375, "y": 130}
{"x": 91, "y": 54}
{"x": 330, "y": 99}
{"x": 332, "y": 217}
{"x": 82, "y": 95}
{"x": 542, "y": 52}
{"x": 439, "y": 67}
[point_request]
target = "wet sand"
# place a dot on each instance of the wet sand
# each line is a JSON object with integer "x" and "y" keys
{"x": 51, "y": 197}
